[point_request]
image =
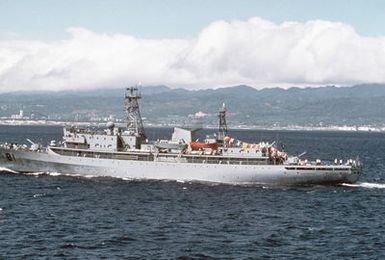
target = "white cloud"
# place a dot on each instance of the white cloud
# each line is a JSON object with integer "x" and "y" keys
{"x": 254, "y": 52}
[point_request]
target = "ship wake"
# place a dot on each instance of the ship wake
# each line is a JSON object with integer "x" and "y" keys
{"x": 366, "y": 185}
{"x": 2, "y": 169}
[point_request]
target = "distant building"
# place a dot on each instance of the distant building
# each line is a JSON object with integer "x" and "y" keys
{"x": 18, "y": 116}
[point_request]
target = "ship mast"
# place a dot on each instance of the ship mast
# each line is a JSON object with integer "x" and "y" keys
{"x": 222, "y": 131}
{"x": 134, "y": 120}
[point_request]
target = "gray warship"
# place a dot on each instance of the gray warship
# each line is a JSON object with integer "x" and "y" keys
{"x": 126, "y": 153}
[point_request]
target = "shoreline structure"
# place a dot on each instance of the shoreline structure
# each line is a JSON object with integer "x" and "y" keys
{"x": 20, "y": 122}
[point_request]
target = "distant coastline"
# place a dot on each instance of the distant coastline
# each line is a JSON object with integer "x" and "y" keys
{"x": 21, "y": 122}
{"x": 328, "y": 108}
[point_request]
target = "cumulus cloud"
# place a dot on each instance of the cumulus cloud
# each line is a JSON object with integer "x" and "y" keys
{"x": 256, "y": 52}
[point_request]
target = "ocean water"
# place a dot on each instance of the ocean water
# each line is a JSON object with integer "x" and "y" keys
{"x": 57, "y": 216}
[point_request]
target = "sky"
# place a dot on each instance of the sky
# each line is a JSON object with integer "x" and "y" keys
{"x": 56, "y": 45}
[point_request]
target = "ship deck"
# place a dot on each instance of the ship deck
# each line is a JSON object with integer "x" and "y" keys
{"x": 166, "y": 157}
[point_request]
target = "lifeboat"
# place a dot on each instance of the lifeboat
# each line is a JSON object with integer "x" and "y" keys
{"x": 198, "y": 145}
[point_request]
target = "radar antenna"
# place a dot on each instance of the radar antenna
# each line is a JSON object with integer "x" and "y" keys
{"x": 222, "y": 131}
{"x": 134, "y": 120}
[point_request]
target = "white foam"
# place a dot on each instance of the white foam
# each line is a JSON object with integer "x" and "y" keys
{"x": 89, "y": 176}
{"x": 7, "y": 170}
{"x": 34, "y": 173}
{"x": 54, "y": 173}
{"x": 366, "y": 185}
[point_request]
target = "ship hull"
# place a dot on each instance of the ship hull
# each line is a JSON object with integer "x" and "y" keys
{"x": 28, "y": 161}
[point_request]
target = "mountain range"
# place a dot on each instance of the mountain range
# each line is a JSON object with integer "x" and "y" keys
{"x": 312, "y": 106}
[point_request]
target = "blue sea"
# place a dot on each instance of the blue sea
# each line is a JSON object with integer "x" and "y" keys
{"x": 56, "y": 216}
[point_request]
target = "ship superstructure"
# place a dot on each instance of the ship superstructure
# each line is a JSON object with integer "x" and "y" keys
{"x": 134, "y": 119}
{"x": 126, "y": 152}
